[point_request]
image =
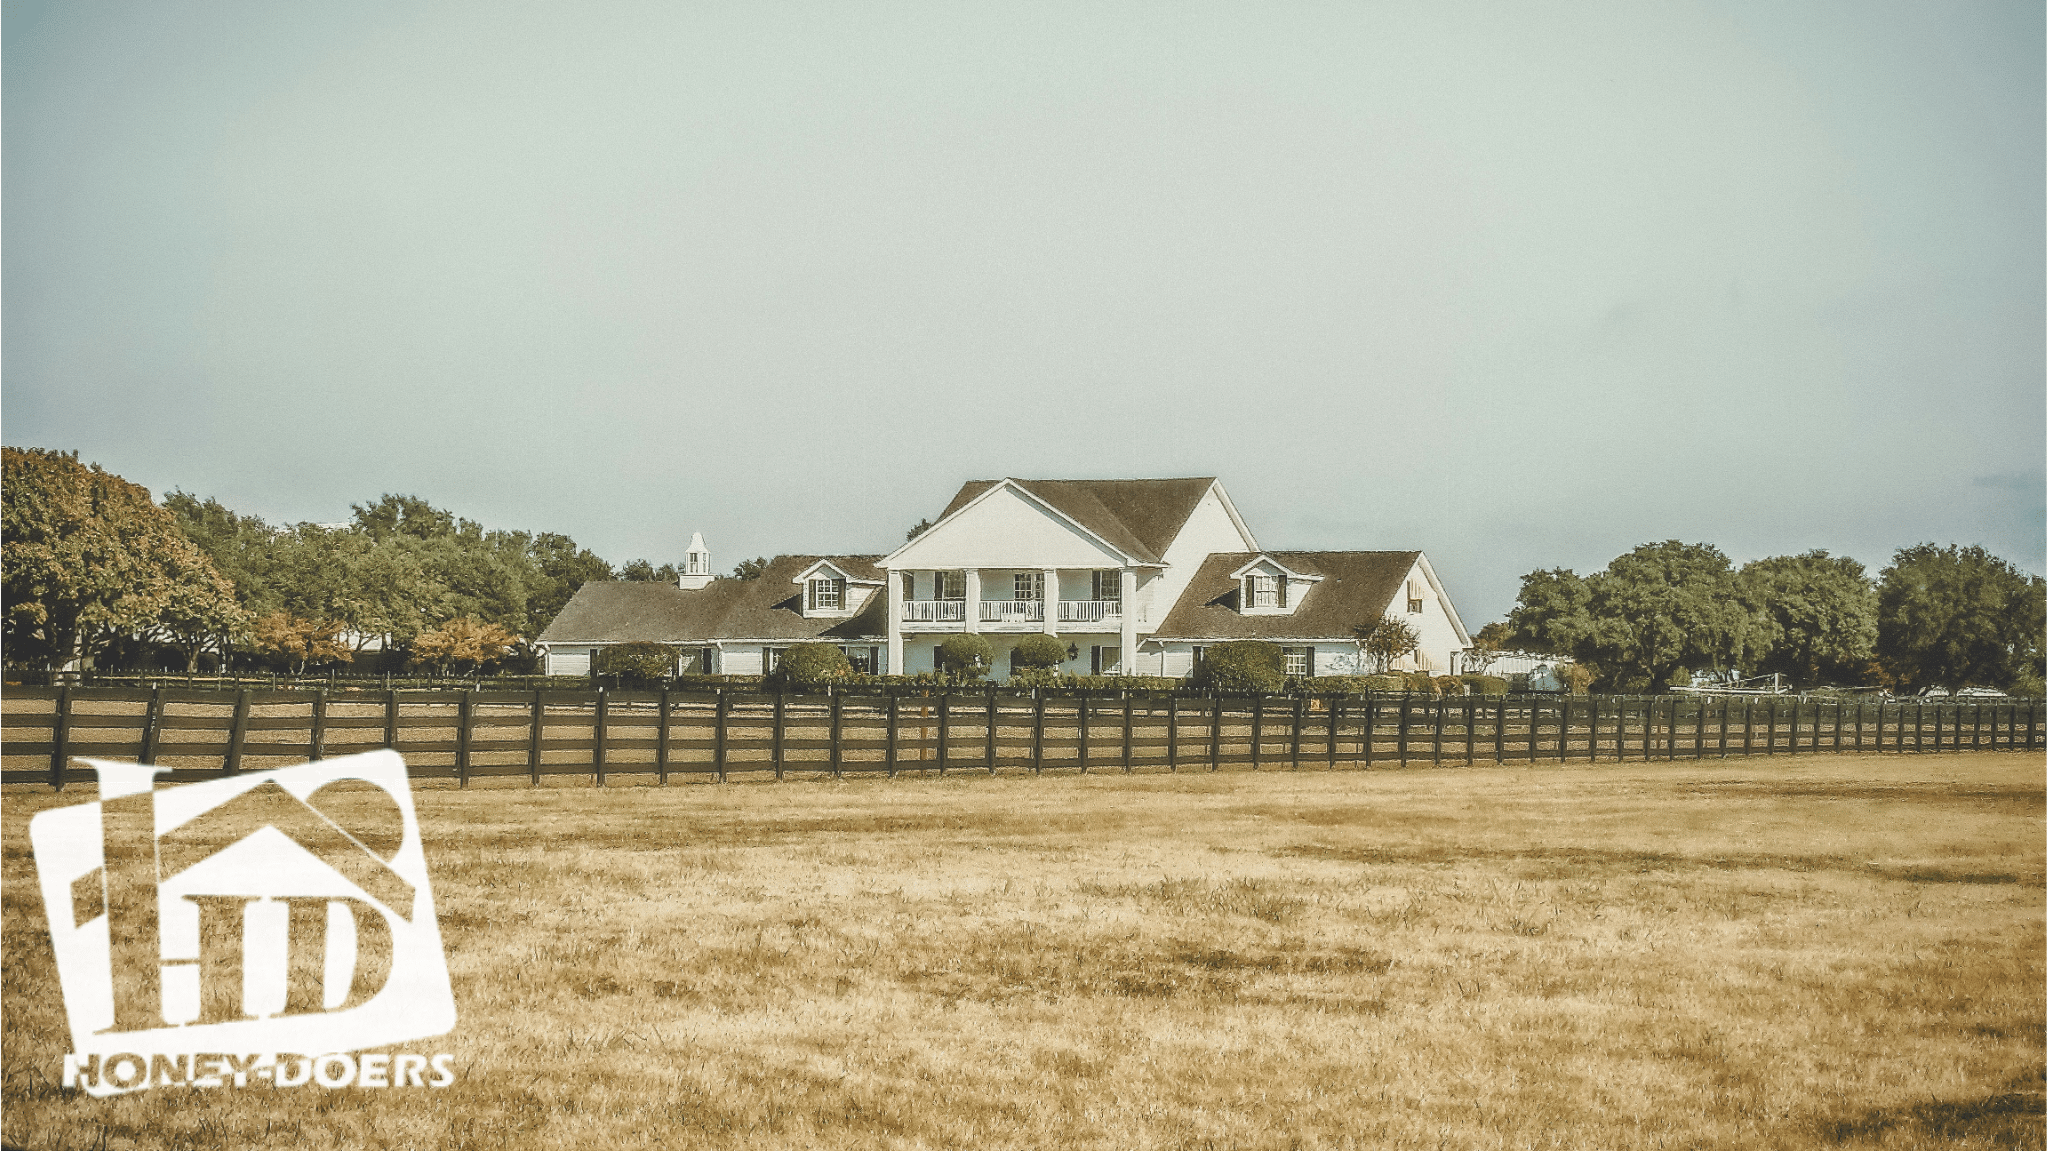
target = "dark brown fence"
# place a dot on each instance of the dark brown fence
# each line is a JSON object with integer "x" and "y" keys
{"x": 615, "y": 736}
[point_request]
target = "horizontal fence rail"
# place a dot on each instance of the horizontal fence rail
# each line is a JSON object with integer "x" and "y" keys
{"x": 693, "y": 735}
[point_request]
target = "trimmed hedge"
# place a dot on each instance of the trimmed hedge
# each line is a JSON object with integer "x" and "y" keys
{"x": 639, "y": 662}
{"x": 1485, "y": 684}
{"x": 966, "y": 655}
{"x": 1037, "y": 652}
{"x": 1246, "y": 665}
{"x": 1448, "y": 685}
{"x": 808, "y": 667}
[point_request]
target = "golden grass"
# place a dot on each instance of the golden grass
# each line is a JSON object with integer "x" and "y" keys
{"x": 1801, "y": 952}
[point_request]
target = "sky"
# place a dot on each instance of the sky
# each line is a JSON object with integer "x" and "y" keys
{"x": 1522, "y": 286}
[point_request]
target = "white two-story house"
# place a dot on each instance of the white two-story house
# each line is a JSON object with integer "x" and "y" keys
{"x": 1138, "y": 577}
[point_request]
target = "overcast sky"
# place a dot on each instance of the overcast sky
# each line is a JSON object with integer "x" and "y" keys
{"x": 1519, "y": 285}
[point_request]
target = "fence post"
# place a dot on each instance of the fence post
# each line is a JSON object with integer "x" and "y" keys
{"x": 1535, "y": 720}
{"x": 721, "y": 712}
{"x": 1294, "y": 740}
{"x": 945, "y": 716}
{"x": 1037, "y": 730}
{"x": 462, "y": 716}
{"x": 1372, "y": 715}
{"x": 391, "y": 719}
{"x": 838, "y": 770}
{"x": 1215, "y": 732}
{"x": 889, "y": 762}
{"x": 991, "y": 729}
{"x": 319, "y": 719}
{"x": 60, "y": 738}
{"x": 1564, "y": 729}
{"x": 237, "y": 732}
{"x": 1173, "y": 733}
{"x": 151, "y": 723}
{"x": 1436, "y": 733}
{"x": 667, "y": 709}
{"x": 1127, "y": 732}
{"x": 777, "y": 736}
{"x": 1471, "y": 730}
{"x": 1335, "y": 704}
{"x": 1919, "y": 726}
{"x": 1938, "y": 709}
{"x": 540, "y": 722}
{"x": 1500, "y": 731}
{"x": 597, "y": 738}
{"x": 1081, "y": 717}
{"x": 1258, "y": 726}
{"x": 1977, "y": 727}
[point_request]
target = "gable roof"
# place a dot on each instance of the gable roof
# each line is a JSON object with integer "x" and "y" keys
{"x": 1137, "y": 517}
{"x": 1356, "y": 588}
{"x": 766, "y": 607}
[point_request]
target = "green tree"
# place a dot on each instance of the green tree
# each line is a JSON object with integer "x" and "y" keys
{"x": 1245, "y": 665}
{"x": 1037, "y": 652}
{"x": 809, "y": 666}
{"x": 301, "y": 640}
{"x": 1959, "y": 616}
{"x": 1386, "y": 640}
{"x": 558, "y": 568}
{"x": 641, "y": 571}
{"x": 1816, "y": 617}
{"x": 1551, "y": 614}
{"x": 750, "y": 569}
{"x": 89, "y": 557}
{"x": 965, "y": 656}
{"x": 1661, "y": 607}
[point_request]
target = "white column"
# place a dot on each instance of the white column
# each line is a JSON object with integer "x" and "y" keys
{"x": 1128, "y": 641}
{"x": 894, "y": 588}
{"x": 1051, "y": 602}
{"x": 973, "y": 599}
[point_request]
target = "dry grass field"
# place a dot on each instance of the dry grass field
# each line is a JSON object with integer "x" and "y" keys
{"x": 1823, "y": 951}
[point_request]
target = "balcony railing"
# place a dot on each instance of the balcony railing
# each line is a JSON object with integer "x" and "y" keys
{"x": 1012, "y": 611}
{"x": 1090, "y": 610}
{"x": 934, "y": 611}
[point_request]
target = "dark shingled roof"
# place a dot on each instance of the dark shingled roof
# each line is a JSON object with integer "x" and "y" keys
{"x": 1356, "y": 588}
{"x": 1139, "y": 517}
{"x": 768, "y": 607}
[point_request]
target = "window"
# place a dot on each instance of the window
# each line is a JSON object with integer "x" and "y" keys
{"x": 1261, "y": 590}
{"x": 1028, "y": 585}
{"x": 1414, "y": 598}
{"x": 1298, "y": 661}
{"x": 827, "y": 594}
{"x": 770, "y": 657}
{"x": 1200, "y": 653}
{"x": 860, "y": 659}
{"x": 1109, "y": 585}
{"x": 909, "y": 585}
{"x": 1103, "y": 661}
{"x": 697, "y": 563}
{"x": 949, "y": 585}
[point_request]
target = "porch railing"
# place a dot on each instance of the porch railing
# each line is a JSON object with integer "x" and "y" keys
{"x": 1012, "y": 611}
{"x": 934, "y": 610}
{"x": 1090, "y": 610}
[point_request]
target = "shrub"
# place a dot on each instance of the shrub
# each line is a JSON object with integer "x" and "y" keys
{"x": 1577, "y": 677}
{"x": 1419, "y": 683}
{"x": 636, "y": 661}
{"x": 807, "y": 667}
{"x": 1246, "y": 665}
{"x": 1393, "y": 682}
{"x": 1037, "y": 652}
{"x": 1448, "y": 685}
{"x": 967, "y": 656}
{"x": 1485, "y": 684}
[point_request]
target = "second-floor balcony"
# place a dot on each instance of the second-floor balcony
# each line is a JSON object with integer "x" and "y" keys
{"x": 1090, "y": 610}
{"x": 934, "y": 611}
{"x": 1012, "y": 611}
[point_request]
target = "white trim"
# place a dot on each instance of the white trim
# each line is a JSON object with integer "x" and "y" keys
{"x": 1458, "y": 625}
{"x": 1289, "y": 572}
{"x": 1230, "y": 509}
{"x": 888, "y": 562}
{"x": 805, "y": 575}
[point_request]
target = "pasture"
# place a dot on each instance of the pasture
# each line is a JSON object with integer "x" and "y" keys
{"x": 1813, "y": 951}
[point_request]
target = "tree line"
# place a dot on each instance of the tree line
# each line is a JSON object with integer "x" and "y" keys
{"x": 1936, "y": 616}
{"x": 96, "y": 573}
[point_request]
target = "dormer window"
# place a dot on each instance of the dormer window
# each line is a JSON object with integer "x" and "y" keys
{"x": 825, "y": 594}
{"x": 1263, "y": 590}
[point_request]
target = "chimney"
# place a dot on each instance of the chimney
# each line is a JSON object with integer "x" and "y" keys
{"x": 696, "y": 564}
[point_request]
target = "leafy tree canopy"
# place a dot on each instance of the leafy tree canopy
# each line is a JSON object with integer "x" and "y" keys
{"x": 89, "y": 557}
{"x": 1386, "y": 640}
{"x": 1816, "y": 617}
{"x": 1959, "y": 616}
{"x": 1246, "y": 665}
{"x": 750, "y": 569}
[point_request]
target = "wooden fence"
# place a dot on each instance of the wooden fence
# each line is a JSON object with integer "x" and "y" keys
{"x": 621, "y": 736}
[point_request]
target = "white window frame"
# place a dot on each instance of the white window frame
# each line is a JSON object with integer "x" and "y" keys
{"x": 1262, "y": 591}
{"x": 822, "y": 587}
{"x": 1299, "y": 662}
{"x": 949, "y": 585}
{"x": 1028, "y": 586}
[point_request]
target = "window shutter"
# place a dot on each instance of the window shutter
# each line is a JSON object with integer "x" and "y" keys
{"x": 1310, "y": 654}
{"x": 1281, "y": 601}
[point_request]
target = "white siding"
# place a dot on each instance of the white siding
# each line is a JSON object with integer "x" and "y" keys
{"x": 1209, "y": 529}
{"x": 740, "y": 661}
{"x": 568, "y": 661}
{"x": 1004, "y": 530}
